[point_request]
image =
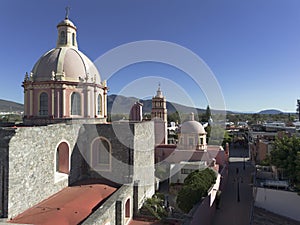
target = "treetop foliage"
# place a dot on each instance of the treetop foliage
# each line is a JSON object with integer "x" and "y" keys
{"x": 195, "y": 186}
{"x": 286, "y": 155}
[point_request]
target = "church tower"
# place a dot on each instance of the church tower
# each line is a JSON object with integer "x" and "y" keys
{"x": 159, "y": 115}
{"x": 64, "y": 84}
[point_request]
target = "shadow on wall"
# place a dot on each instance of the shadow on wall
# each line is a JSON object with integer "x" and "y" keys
{"x": 100, "y": 155}
{"x": 5, "y": 135}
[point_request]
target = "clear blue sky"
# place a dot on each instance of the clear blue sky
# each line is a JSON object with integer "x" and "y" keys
{"x": 251, "y": 46}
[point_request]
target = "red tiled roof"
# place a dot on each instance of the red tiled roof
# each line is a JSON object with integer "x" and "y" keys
{"x": 67, "y": 207}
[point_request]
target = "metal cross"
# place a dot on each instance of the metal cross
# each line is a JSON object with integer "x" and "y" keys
{"x": 67, "y": 12}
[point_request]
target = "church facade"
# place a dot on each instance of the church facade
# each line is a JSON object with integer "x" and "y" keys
{"x": 75, "y": 147}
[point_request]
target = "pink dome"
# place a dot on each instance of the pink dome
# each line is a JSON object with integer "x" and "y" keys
{"x": 68, "y": 61}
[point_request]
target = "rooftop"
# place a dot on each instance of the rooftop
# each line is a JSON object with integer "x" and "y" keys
{"x": 67, "y": 207}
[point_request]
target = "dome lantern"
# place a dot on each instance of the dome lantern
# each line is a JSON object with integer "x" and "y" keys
{"x": 66, "y": 32}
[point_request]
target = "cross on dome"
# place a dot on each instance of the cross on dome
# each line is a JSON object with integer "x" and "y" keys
{"x": 67, "y": 12}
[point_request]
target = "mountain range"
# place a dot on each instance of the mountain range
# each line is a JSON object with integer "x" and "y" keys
{"x": 119, "y": 104}
{"x": 9, "y": 106}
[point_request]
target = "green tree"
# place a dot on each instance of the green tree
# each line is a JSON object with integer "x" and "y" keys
{"x": 206, "y": 115}
{"x": 195, "y": 186}
{"x": 285, "y": 155}
{"x": 227, "y": 139}
{"x": 174, "y": 117}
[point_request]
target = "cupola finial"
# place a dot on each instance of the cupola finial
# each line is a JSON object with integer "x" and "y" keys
{"x": 67, "y": 12}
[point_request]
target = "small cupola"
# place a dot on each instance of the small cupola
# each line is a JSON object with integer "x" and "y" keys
{"x": 159, "y": 92}
{"x": 66, "y": 32}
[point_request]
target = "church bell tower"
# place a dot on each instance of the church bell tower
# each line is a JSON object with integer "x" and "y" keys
{"x": 159, "y": 115}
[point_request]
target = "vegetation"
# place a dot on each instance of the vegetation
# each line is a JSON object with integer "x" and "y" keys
{"x": 195, "y": 186}
{"x": 205, "y": 116}
{"x": 255, "y": 118}
{"x": 155, "y": 206}
{"x": 174, "y": 117}
{"x": 10, "y": 118}
{"x": 286, "y": 156}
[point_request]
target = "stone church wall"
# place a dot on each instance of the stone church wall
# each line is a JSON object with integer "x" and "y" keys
{"x": 32, "y": 164}
{"x": 28, "y": 158}
{"x": 144, "y": 160}
{"x": 121, "y": 140}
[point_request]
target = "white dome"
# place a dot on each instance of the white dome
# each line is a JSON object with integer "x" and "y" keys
{"x": 66, "y": 61}
{"x": 66, "y": 22}
{"x": 192, "y": 127}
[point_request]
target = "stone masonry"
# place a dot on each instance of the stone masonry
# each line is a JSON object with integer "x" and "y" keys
{"x": 31, "y": 176}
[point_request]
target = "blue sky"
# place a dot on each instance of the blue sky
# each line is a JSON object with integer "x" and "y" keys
{"x": 251, "y": 46}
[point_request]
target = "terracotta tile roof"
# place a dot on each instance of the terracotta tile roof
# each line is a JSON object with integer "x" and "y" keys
{"x": 67, "y": 207}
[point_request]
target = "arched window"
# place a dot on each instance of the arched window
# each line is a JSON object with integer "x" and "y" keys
{"x": 201, "y": 141}
{"x": 191, "y": 141}
{"x": 43, "y": 104}
{"x": 127, "y": 209}
{"x": 99, "y": 108}
{"x": 62, "y": 158}
{"x": 101, "y": 154}
{"x": 62, "y": 39}
{"x": 75, "y": 104}
{"x": 73, "y": 39}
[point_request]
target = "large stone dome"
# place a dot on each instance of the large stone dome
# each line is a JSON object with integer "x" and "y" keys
{"x": 66, "y": 62}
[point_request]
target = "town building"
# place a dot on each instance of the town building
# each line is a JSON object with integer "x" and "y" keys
{"x": 190, "y": 154}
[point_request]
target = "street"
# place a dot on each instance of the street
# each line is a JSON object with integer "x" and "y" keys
{"x": 236, "y": 200}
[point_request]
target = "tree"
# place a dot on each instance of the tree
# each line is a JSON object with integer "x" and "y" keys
{"x": 285, "y": 155}
{"x": 206, "y": 115}
{"x": 174, "y": 117}
{"x": 195, "y": 186}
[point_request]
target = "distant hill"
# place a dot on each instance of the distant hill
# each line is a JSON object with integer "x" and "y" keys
{"x": 10, "y": 106}
{"x": 119, "y": 104}
{"x": 270, "y": 111}
{"x": 123, "y": 105}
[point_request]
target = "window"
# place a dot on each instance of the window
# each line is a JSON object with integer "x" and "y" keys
{"x": 99, "y": 109}
{"x": 101, "y": 154}
{"x": 62, "y": 158}
{"x": 201, "y": 140}
{"x": 191, "y": 141}
{"x": 127, "y": 208}
{"x": 43, "y": 104}
{"x": 181, "y": 140}
{"x": 75, "y": 104}
{"x": 73, "y": 39}
{"x": 62, "y": 37}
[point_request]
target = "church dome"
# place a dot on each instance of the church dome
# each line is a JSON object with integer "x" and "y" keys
{"x": 192, "y": 127}
{"x": 68, "y": 63}
{"x": 65, "y": 62}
